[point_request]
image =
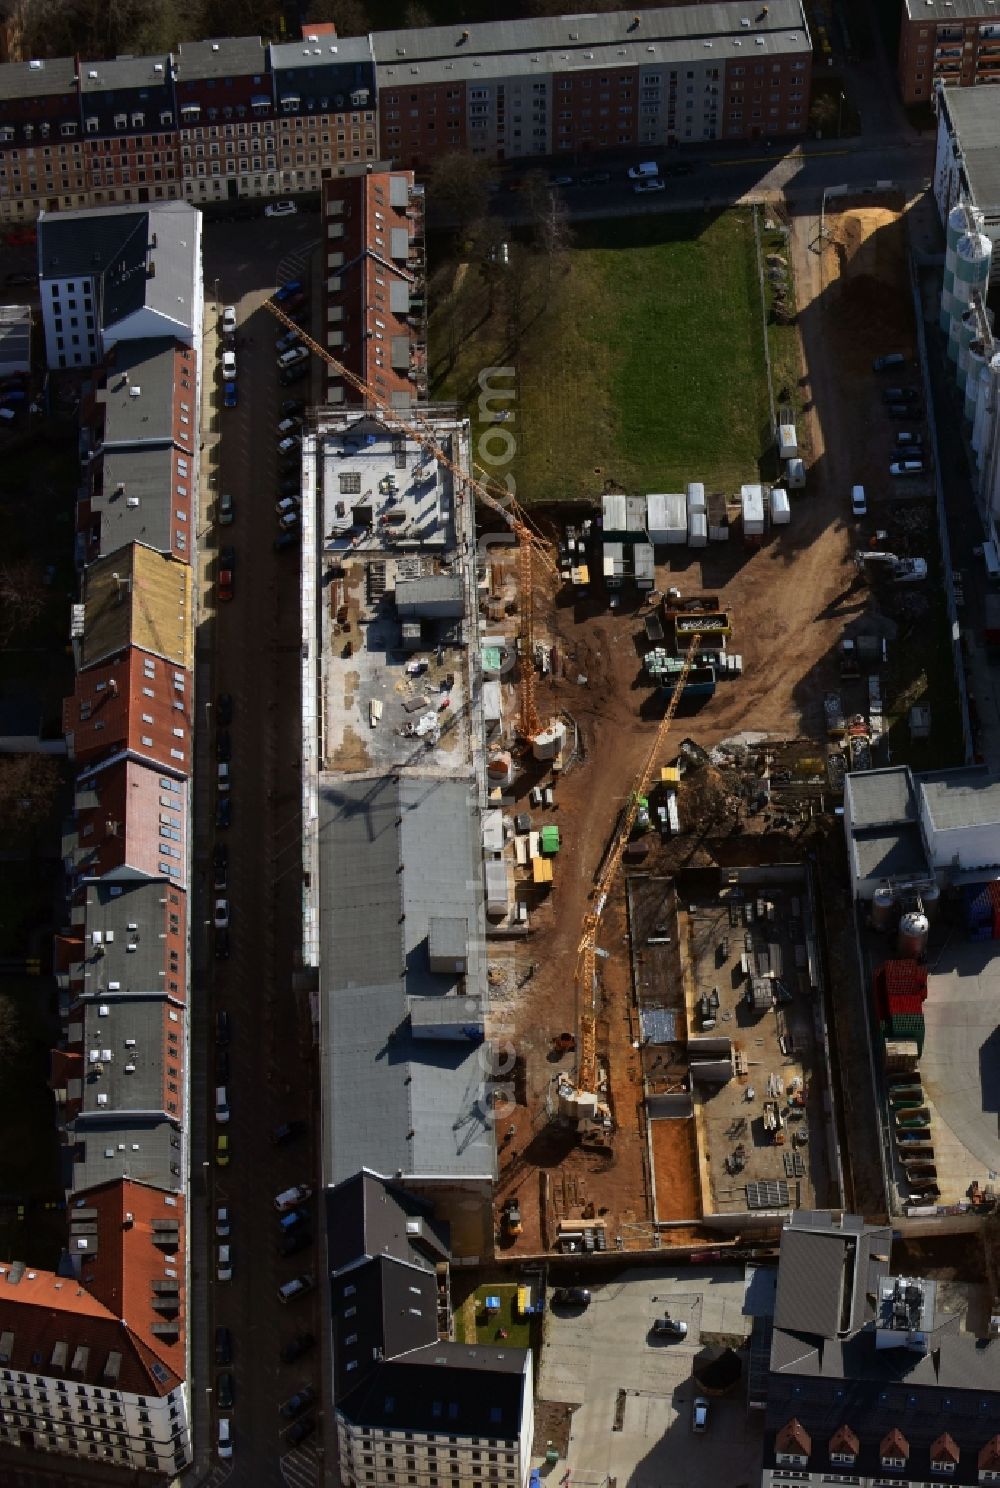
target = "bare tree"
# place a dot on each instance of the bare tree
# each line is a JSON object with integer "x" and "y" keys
{"x": 460, "y": 189}
{"x": 21, "y": 598}
{"x": 549, "y": 219}
{"x": 28, "y": 786}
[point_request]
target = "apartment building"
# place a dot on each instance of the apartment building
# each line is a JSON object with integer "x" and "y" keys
{"x": 412, "y": 1405}
{"x": 375, "y": 319}
{"x": 955, "y": 42}
{"x": 112, "y": 274}
{"x": 509, "y": 90}
{"x": 871, "y": 1382}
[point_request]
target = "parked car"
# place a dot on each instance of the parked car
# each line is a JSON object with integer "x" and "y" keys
{"x": 892, "y": 359}
{"x": 643, "y": 186}
{"x": 859, "y": 506}
{"x": 285, "y": 291}
{"x": 699, "y": 1413}
{"x": 295, "y": 303}
{"x": 18, "y": 277}
{"x": 643, "y": 171}
{"x": 229, "y": 366}
{"x": 297, "y": 1403}
{"x": 222, "y": 1150}
{"x": 223, "y": 813}
{"x": 227, "y": 510}
{"x": 560, "y": 180}
{"x": 293, "y": 374}
{"x": 289, "y": 425}
{"x": 292, "y": 1243}
{"x": 222, "y": 945}
{"x": 903, "y": 411}
{"x": 286, "y": 504}
{"x": 571, "y": 1296}
{"x": 221, "y": 1064}
{"x": 224, "y": 1391}
{"x": 222, "y": 1026}
{"x": 906, "y": 467}
{"x": 224, "y": 1441}
{"x": 222, "y": 1221}
{"x": 909, "y": 437}
{"x": 228, "y": 320}
{"x": 223, "y": 1346}
{"x": 221, "y": 1104}
{"x": 224, "y": 1263}
{"x": 290, "y": 1198}
{"x": 289, "y": 519}
{"x": 297, "y": 1287}
{"x": 285, "y": 340}
{"x": 230, "y": 395}
{"x": 289, "y": 445}
{"x": 595, "y": 178}
{"x": 288, "y": 1131}
{"x": 224, "y": 584}
{"x": 293, "y": 407}
{"x": 224, "y": 709}
{"x": 292, "y": 357}
{"x": 900, "y": 395}
{"x": 299, "y": 1430}
{"x": 293, "y": 1219}
{"x": 280, "y": 209}
{"x": 296, "y": 1347}
{"x": 288, "y": 539}
{"x": 223, "y": 775}
{"x": 668, "y": 1327}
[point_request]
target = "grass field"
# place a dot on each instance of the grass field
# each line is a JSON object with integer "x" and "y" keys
{"x": 642, "y": 363}
{"x": 487, "y": 1329}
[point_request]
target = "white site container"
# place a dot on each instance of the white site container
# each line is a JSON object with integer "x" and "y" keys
{"x": 781, "y": 511}
{"x": 752, "y": 504}
{"x": 795, "y": 475}
{"x": 666, "y": 518}
{"x": 788, "y": 442}
{"x": 695, "y": 497}
{"x": 698, "y": 530}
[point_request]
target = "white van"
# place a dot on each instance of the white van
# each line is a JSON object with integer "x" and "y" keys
{"x": 225, "y": 1444}
{"x": 644, "y": 171}
{"x": 859, "y": 506}
{"x": 221, "y": 1103}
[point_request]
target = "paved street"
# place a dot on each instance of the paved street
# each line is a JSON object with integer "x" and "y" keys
{"x": 249, "y": 649}
{"x": 592, "y": 1356}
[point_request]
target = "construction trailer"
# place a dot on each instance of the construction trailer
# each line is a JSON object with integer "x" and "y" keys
{"x": 667, "y": 519}
{"x": 752, "y": 508}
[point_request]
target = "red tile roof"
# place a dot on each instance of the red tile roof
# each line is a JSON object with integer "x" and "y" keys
{"x": 944, "y": 1449}
{"x": 129, "y": 1260}
{"x": 125, "y": 823}
{"x": 136, "y": 701}
{"x": 844, "y": 1440}
{"x": 793, "y": 1439}
{"x": 43, "y": 1310}
{"x": 989, "y": 1457}
{"x": 894, "y": 1444}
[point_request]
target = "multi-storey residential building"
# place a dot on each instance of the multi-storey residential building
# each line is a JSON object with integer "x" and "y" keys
{"x": 412, "y": 1405}
{"x": 576, "y": 84}
{"x": 42, "y": 162}
{"x": 375, "y": 315}
{"x": 118, "y": 274}
{"x": 129, "y": 134}
{"x": 956, "y": 42}
{"x": 870, "y": 1381}
{"x": 324, "y": 93}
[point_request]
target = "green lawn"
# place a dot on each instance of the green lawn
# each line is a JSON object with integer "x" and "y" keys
{"x": 488, "y": 1328}
{"x": 641, "y": 362}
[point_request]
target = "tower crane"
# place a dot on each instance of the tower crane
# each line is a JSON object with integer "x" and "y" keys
{"x": 531, "y": 544}
{"x": 586, "y": 1076}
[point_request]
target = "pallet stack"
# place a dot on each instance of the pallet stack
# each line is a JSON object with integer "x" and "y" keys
{"x": 900, "y": 989}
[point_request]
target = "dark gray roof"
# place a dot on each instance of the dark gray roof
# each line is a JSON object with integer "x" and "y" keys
{"x": 368, "y": 1215}
{"x": 452, "y": 1388}
{"x": 38, "y": 78}
{"x": 951, "y": 10}
{"x": 307, "y": 53}
{"x": 961, "y": 798}
{"x": 894, "y": 853}
{"x": 147, "y": 1150}
{"x": 138, "y": 398}
{"x": 126, "y": 73}
{"x": 975, "y": 117}
{"x": 123, "y": 1043}
{"x": 87, "y": 242}
{"x": 826, "y": 1272}
{"x": 133, "y": 954}
{"x": 392, "y": 856}
{"x": 226, "y": 56}
{"x": 879, "y": 798}
{"x": 554, "y": 44}
{"x": 381, "y": 1309}
{"x": 145, "y": 474}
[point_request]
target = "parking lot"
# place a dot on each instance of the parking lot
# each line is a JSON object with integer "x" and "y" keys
{"x": 247, "y": 650}
{"x": 634, "y": 1392}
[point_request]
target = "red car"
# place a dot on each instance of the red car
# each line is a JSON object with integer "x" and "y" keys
{"x": 224, "y": 581}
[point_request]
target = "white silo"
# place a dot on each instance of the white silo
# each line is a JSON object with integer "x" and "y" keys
{"x": 883, "y": 907}
{"x": 913, "y": 931}
{"x": 963, "y": 221}
{"x": 973, "y": 381}
{"x": 966, "y": 331}
{"x": 971, "y": 271}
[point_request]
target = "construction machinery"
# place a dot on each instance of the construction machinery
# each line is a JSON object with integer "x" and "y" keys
{"x": 900, "y": 570}
{"x": 531, "y": 543}
{"x": 580, "y": 1101}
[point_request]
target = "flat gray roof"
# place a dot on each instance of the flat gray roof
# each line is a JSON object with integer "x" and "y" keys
{"x": 38, "y": 78}
{"x": 961, "y": 798}
{"x": 951, "y": 10}
{"x": 133, "y": 953}
{"x": 148, "y": 1151}
{"x": 560, "y": 44}
{"x": 323, "y": 51}
{"x": 226, "y": 56}
{"x": 123, "y": 1042}
{"x": 896, "y": 852}
{"x": 138, "y": 398}
{"x": 975, "y": 117}
{"x": 879, "y": 798}
{"x": 146, "y": 474}
{"x": 151, "y": 71}
{"x": 393, "y": 855}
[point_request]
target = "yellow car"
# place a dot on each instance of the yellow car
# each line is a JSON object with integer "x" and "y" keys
{"x": 222, "y": 1150}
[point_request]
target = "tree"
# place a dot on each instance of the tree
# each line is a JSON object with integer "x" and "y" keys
{"x": 21, "y": 598}
{"x": 460, "y": 189}
{"x": 549, "y": 218}
{"x": 416, "y": 17}
{"x": 28, "y": 786}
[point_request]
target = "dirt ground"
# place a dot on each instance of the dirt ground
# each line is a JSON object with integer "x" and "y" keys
{"x": 790, "y": 600}
{"x": 675, "y": 1165}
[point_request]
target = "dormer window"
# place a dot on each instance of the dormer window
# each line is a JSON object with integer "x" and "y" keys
{"x": 895, "y": 1464}
{"x": 844, "y": 1459}
{"x": 121, "y": 121}
{"x": 943, "y": 1467}
{"x": 67, "y": 130}
{"x": 90, "y": 125}
{"x": 138, "y": 121}
{"x": 166, "y": 117}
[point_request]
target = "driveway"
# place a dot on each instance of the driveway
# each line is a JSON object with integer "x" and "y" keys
{"x": 249, "y": 648}
{"x": 634, "y": 1394}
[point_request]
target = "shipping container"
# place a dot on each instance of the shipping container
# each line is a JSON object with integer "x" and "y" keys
{"x": 788, "y": 442}
{"x": 696, "y": 497}
{"x": 697, "y": 529}
{"x": 666, "y": 518}
{"x": 781, "y": 511}
{"x": 752, "y": 505}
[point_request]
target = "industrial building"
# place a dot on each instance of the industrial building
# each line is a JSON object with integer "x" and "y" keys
{"x": 864, "y": 1376}
{"x": 955, "y": 42}
{"x": 236, "y": 119}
